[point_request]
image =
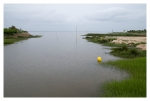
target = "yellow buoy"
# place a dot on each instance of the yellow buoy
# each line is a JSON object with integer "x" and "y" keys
{"x": 99, "y": 59}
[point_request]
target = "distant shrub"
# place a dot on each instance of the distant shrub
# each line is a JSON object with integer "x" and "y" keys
{"x": 103, "y": 41}
{"x": 126, "y": 52}
{"x": 13, "y": 30}
{"x": 134, "y": 51}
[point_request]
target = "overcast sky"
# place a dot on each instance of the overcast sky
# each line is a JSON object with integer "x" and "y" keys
{"x": 65, "y": 17}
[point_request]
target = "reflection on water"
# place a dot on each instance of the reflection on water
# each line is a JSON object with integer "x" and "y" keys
{"x": 56, "y": 66}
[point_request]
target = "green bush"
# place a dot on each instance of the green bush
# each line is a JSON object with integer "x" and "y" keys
{"x": 12, "y": 30}
{"x": 103, "y": 40}
{"x": 126, "y": 52}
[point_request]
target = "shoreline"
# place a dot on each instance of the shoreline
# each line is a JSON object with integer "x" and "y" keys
{"x": 141, "y": 41}
{"x": 10, "y": 39}
{"x": 135, "y": 65}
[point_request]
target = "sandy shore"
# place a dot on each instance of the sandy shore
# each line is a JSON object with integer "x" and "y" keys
{"x": 130, "y": 40}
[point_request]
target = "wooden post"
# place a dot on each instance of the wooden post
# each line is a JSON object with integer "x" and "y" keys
{"x": 76, "y": 34}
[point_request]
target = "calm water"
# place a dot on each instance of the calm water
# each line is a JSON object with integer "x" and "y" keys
{"x": 55, "y": 65}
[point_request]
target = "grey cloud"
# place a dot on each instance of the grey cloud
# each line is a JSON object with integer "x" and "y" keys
{"x": 67, "y": 16}
{"x": 118, "y": 14}
{"x": 34, "y": 16}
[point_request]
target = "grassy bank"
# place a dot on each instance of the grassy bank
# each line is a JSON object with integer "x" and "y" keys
{"x": 135, "y": 86}
{"x": 134, "y": 64}
{"x": 121, "y": 50}
{"x": 13, "y": 40}
{"x": 13, "y": 34}
{"x": 10, "y": 41}
{"x": 126, "y": 52}
{"x": 116, "y": 34}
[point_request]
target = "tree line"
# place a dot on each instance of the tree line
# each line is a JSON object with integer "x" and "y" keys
{"x": 13, "y": 30}
{"x": 137, "y": 31}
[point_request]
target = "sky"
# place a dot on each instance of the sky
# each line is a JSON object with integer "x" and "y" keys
{"x": 65, "y": 17}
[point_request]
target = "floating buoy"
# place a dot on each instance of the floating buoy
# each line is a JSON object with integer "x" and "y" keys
{"x": 99, "y": 59}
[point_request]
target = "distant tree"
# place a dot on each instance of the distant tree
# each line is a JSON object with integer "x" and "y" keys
{"x": 13, "y": 27}
{"x": 137, "y": 31}
{"x": 12, "y": 30}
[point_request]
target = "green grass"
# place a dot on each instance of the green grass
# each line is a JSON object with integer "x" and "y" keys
{"x": 100, "y": 40}
{"x": 116, "y": 34}
{"x": 114, "y": 45}
{"x": 10, "y": 41}
{"x": 135, "y": 86}
{"x": 121, "y": 50}
{"x": 105, "y": 42}
{"x": 13, "y": 40}
{"x": 126, "y": 52}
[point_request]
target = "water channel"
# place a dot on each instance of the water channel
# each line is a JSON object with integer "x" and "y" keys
{"x": 58, "y": 64}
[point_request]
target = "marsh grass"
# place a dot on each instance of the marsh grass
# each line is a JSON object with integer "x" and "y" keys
{"x": 13, "y": 40}
{"x": 105, "y": 42}
{"x": 100, "y": 40}
{"x": 126, "y": 52}
{"x": 116, "y": 34}
{"x": 135, "y": 86}
{"x": 121, "y": 50}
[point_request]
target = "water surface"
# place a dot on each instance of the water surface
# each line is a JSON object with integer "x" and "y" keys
{"x": 56, "y": 65}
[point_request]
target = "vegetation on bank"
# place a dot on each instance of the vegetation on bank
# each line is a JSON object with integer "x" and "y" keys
{"x": 126, "y": 52}
{"x": 13, "y": 34}
{"x": 135, "y": 86}
{"x": 137, "y": 31}
{"x": 116, "y": 34}
{"x": 121, "y": 50}
{"x": 134, "y": 64}
{"x": 13, "y": 40}
{"x": 13, "y": 30}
